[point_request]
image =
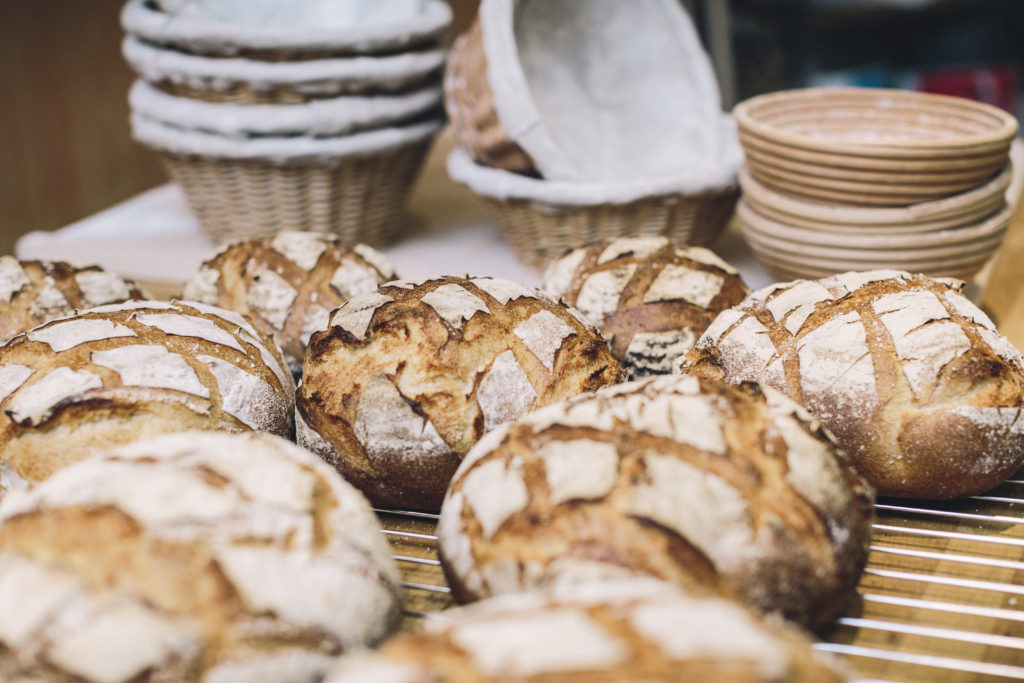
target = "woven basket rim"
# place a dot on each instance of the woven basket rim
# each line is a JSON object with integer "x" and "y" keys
{"x": 504, "y": 185}
{"x": 223, "y": 38}
{"x": 280, "y": 150}
{"x": 331, "y": 116}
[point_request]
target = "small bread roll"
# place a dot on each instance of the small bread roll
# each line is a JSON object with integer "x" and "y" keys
{"x": 188, "y": 557}
{"x": 650, "y": 299}
{"x": 35, "y": 292}
{"x": 406, "y": 379}
{"x": 704, "y": 484}
{"x": 114, "y": 374}
{"x": 628, "y": 630}
{"x": 288, "y": 284}
{"x": 911, "y": 377}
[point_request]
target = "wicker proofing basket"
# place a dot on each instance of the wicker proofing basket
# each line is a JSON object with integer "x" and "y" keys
{"x": 358, "y": 195}
{"x": 542, "y": 227}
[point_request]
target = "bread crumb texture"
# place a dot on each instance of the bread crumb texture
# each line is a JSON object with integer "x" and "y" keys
{"x": 114, "y": 374}
{"x": 634, "y": 629}
{"x": 911, "y": 377}
{"x": 714, "y": 487}
{"x": 407, "y": 378}
{"x": 650, "y": 299}
{"x": 193, "y": 556}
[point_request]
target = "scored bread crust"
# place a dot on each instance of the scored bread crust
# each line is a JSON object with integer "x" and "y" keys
{"x": 193, "y": 556}
{"x": 289, "y": 283}
{"x": 912, "y": 378}
{"x": 34, "y": 292}
{"x": 406, "y": 379}
{"x": 650, "y": 299}
{"x": 711, "y": 486}
{"x": 627, "y": 630}
{"x": 114, "y": 374}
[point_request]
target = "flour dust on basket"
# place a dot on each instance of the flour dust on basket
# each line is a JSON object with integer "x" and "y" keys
{"x": 650, "y": 299}
{"x": 406, "y": 379}
{"x": 114, "y": 374}
{"x": 191, "y": 557}
{"x": 912, "y": 378}
{"x": 288, "y": 284}
{"x": 727, "y": 489}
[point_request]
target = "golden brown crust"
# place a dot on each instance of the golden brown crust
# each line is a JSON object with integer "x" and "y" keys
{"x": 408, "y": 378}
{"x": 913, "y": 379}
{"x": 650, "y": 298}
{"x": 707, "y": 485}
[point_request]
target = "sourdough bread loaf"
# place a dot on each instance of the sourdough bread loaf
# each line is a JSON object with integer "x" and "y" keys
{"x": 730, "y": 489}
{"x": 188, "y": 557}
{"x": 288, "y": 284}
{"x": 911, "y": 377}
{"x": 114, "y": 374}
{"x": 650, "y": 299}
{"x": 627, "y": 630}
{"x": 406, "y": 379}
{"x": 35, "y": 292}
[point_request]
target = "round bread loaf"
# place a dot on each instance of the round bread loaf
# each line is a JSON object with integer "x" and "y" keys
{"x": 650, "y": 299}
{"x": 114, "y": 374}
{"x": 911, "y": 377}
{"x": 406, "y": 379}
{"x": 627, "y": 630}
{"x": 697, "y": 482}
{"x": 194, "y": 556}
{"x": 35, "y": 292}
{"x": 289, "y": 283}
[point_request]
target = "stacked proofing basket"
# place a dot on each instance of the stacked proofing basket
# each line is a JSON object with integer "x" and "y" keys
{"x": 277, "y": 115}
{"x": 579, "y": 121}
{"x": 843, "y": 179}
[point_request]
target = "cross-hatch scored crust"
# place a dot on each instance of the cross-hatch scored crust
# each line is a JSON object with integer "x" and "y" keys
{"x": 650, "y": 299}
{"x": 711, "y": 485}
{"x": 118, "y": 373}
{"x": 105, "y": 547}
{"x": 457, "y": 355}
{"x": 912, "y": 378}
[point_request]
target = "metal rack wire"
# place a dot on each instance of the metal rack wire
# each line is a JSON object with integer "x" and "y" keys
{"x": 942, "y": 598}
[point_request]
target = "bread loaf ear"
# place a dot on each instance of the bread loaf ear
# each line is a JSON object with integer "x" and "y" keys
{"x": 913, "y": 379}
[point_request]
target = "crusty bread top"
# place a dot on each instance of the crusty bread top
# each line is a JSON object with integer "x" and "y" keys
{"x": 649, "y": 298}
{"x": 695, "y": 481}
{"x": 634, "y": 629}
{"x": 193, "y": 554}
{"x": 35, "y": 292}
{"x": 866, "y": 351}
{"x": 289, "y": 283}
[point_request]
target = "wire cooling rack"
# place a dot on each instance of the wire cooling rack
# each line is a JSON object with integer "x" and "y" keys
{"x": 942, "y": 598}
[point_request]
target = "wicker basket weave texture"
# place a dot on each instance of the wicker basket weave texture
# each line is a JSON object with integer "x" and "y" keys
{"x": 539, "y": 232}
{"x": 361, "y": 198}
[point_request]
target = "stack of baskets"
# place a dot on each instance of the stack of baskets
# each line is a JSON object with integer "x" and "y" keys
{"x": 854, "y": 179}
{"x": 580, "y": 121}
{"x": 289, "y": 116}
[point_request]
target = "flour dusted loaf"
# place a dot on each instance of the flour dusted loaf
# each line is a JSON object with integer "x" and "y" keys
{"x": 35, "y": 292}
{"x": 730, "y": 489}
{"x": 188, "y": 557}
{"x": 289, "y": 283}
{"x": 911, "y": 377}
{"x": 114, "y": 374}
{"x": 650, "y": 299}
{"x": 406, "y": 379}
{"x": 627, "y": 630}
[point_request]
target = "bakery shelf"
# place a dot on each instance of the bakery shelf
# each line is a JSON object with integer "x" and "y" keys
{"x": 942, "y": 597}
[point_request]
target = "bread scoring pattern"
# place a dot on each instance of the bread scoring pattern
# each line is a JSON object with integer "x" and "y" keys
{"x": 115, "y": 373}
{"x": 195, "y": 556}
{"x": 407, "y": 378}
{"x": 711, "y": 486}
{"x": 911, "y": 377}
{"x": 650, "y": 299}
